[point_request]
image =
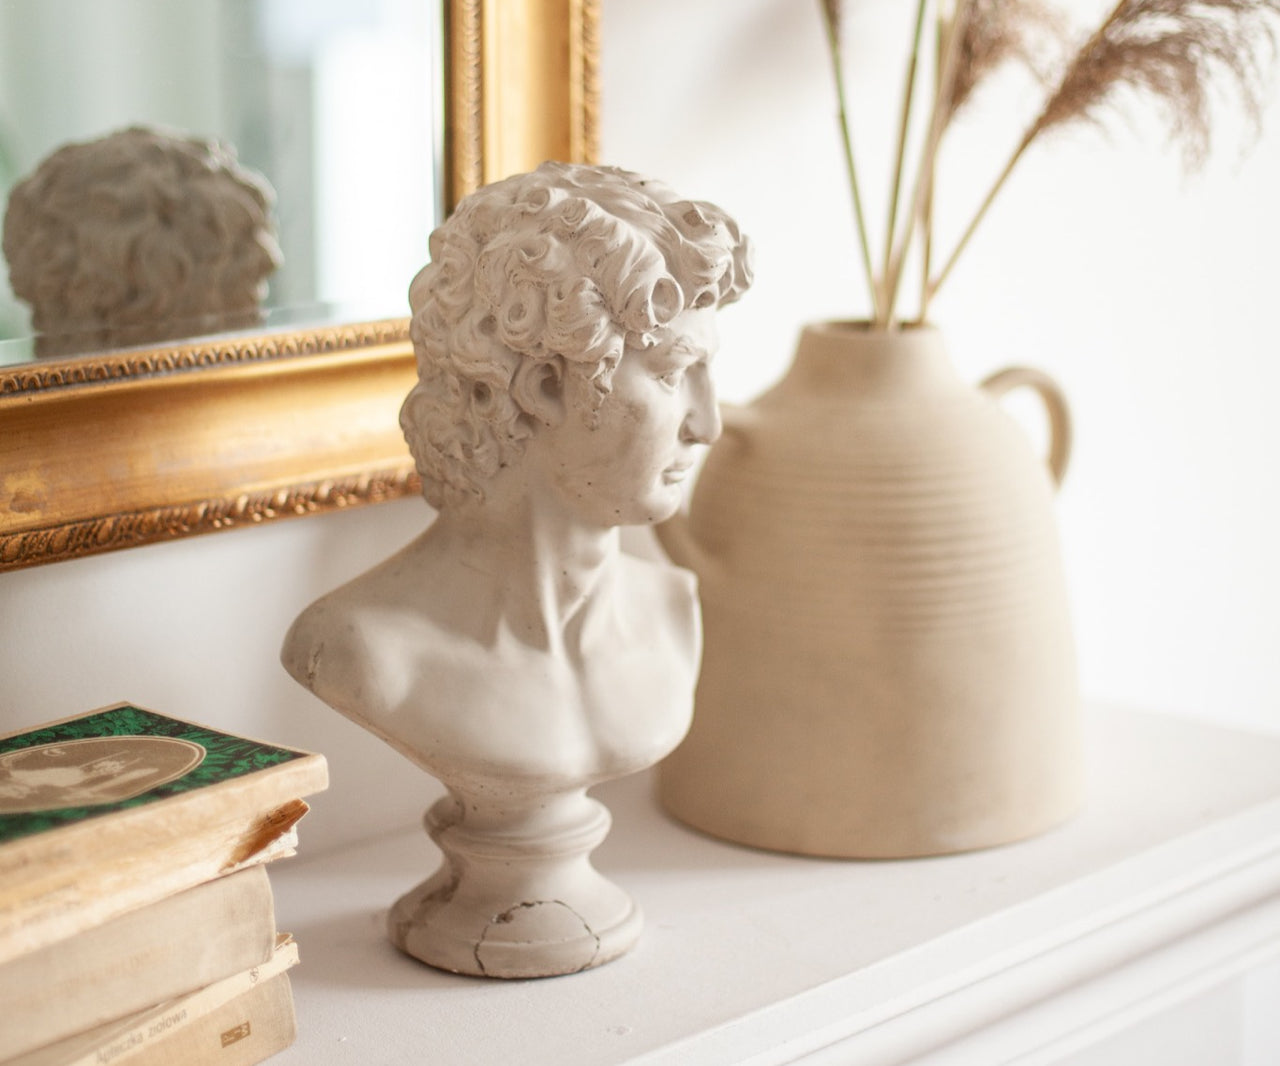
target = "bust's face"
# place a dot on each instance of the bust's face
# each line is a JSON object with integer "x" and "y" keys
{"x": 629, "y": 469}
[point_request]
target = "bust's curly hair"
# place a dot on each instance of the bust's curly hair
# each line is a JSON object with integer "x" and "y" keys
{"x": 568, "y": 263}
{"x": 137, "y": 231}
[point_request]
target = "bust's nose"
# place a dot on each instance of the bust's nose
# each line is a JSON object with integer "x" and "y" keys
{"x": 702, "y": 420}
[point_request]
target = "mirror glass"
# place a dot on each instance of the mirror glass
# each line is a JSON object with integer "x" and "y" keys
{"x": 337, "y": 103}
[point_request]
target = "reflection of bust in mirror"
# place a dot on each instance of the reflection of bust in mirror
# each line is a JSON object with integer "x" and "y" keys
{"x": 563, "y": 332}
{"x": 139, "y": 237}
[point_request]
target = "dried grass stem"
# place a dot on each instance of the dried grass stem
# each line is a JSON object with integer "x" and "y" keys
{"x": 904, "y": 123}
{"x": 937, "y": 126}
{"x": 831, "y": 19}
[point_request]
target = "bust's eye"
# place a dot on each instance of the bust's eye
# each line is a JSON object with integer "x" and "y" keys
{"x": 672, "y": 378}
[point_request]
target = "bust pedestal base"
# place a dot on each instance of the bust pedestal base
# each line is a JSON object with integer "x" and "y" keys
{"x": 517, "y": 895}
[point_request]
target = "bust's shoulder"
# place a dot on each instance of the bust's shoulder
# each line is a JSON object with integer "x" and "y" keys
{"x": 328, "y": 638}
{"x": 344, "y": 647}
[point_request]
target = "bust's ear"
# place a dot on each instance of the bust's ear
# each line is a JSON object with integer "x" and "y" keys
{"x": 538, "y": 387}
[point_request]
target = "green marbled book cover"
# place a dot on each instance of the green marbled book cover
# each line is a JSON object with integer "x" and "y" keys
{"x": 112, "y": 760}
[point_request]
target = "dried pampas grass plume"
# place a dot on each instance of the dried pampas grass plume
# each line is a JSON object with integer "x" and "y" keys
{"x": 1006, "y": 31}
{"x": 1168, "y": 50}
{"x": 1171, "y": 51}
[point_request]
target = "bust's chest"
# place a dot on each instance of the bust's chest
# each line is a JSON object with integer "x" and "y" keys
{"x": 514, "y": 712}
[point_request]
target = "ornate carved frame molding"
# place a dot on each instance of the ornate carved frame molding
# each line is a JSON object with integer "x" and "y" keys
{"x": 128, "y": 448}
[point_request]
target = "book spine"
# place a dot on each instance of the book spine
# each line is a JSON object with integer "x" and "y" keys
{"x": 243, "y": 1032}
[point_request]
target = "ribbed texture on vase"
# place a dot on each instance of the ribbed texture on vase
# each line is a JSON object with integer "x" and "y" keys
{"x": 882, "y": 534}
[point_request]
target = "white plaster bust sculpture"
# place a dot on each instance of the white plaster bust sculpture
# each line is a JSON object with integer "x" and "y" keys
{"x": 563, "y": 331}
{"x": 137, "y": 237}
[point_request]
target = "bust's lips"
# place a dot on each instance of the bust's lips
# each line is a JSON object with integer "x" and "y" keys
{"x": 676, "y": 472}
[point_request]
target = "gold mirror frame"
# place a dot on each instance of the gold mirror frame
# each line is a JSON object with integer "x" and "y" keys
{"x": 127, "y": 448}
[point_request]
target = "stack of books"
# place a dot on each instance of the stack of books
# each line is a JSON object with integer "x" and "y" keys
{"x": 136, "y": 919}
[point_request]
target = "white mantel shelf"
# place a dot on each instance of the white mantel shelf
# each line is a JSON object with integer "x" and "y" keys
{"x": 1166, "y": 886}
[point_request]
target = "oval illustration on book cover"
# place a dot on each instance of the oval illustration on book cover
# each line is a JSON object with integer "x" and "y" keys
{"x": 91, "y": 771}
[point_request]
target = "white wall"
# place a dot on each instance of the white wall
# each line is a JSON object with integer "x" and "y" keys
{"x": 1147, "y": 294}
{"x": 193, "y": 628}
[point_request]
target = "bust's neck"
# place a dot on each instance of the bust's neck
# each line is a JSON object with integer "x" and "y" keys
{"x": 537, "y": 568}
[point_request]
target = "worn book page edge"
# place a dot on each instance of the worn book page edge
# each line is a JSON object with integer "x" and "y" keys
{"x": 68, "y": 901}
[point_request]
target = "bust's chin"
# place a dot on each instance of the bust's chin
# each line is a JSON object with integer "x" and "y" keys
{"x": 663, "y": 514}
{"x": 659, "y": 504}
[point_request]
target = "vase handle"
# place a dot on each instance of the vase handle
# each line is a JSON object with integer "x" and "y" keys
{"x": 1055, "y": 405}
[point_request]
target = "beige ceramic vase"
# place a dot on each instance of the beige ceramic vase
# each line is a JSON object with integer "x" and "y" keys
{"x": 889, "y": 668}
